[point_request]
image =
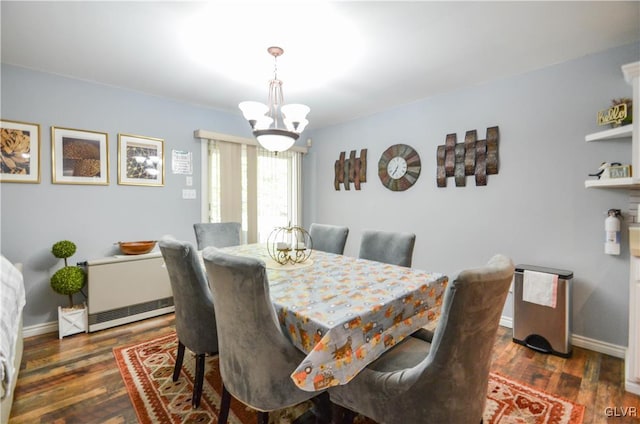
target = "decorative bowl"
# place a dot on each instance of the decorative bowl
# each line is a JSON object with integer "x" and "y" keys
{"x": 136, "y": 247}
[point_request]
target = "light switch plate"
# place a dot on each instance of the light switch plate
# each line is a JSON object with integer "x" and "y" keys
{"x": 189, "y": 181}
{"x": 188, "y": 193}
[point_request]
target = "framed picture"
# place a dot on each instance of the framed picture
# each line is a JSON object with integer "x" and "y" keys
{"x": 19, "y": 152}
{"x": 620, "y": 171}
{"x": 140, "y": 160}
{"x": 79, "y": 156}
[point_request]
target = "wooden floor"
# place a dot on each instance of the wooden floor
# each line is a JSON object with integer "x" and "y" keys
{"x": 76, "y": 380}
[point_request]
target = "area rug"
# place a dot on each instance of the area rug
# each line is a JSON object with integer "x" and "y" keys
{"x": 147, "y": 370}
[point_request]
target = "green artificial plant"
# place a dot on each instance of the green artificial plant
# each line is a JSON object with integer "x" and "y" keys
{"x": 70, "y": 279}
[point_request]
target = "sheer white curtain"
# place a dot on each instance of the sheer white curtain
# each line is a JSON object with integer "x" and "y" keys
{"x": 254, "y": 186}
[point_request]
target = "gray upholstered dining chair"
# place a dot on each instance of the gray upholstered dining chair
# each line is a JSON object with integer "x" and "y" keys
{"x": 388, "y": 247}
{"x": 194, "y": 313}
{"x": 256, "y": 357}
{"x": 328, "y": 238}
{"x": 217, "y": 234}
{"x": 438, "y": 377}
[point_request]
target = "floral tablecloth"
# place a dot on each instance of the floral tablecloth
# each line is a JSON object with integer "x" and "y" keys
{"x": 345, "y": 312}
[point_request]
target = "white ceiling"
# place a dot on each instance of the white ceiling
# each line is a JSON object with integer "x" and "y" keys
{"x": 343, "y": 59}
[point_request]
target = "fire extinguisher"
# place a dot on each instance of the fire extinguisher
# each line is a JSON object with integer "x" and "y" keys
{"x": 612, "y": 232}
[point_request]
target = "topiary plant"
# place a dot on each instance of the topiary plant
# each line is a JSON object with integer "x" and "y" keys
{"x": 63, "y": 250}
{"x": 70, "y": 279}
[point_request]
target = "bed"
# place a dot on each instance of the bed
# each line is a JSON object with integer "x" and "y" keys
{"x": 12, "y": 301}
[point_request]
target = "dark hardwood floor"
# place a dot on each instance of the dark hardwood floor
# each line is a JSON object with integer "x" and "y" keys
{"x": 76, "y": 379}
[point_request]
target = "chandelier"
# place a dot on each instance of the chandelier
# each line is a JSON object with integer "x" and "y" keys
{"x": 288, "y": 120}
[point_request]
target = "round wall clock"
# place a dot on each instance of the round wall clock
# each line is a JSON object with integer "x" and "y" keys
{"x": 399, "y": 167}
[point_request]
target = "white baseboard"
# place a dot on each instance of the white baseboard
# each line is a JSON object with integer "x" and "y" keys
{"x": 598, "y": 346}
{"x": 632, "y": 387}
{"x": 506, "y": 322}
{"x": 38, "y": 329}
{"x": 576, "y": 340}
{"x": 583, "y": 342}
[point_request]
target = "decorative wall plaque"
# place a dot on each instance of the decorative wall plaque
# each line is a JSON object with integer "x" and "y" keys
{"x": 618, "y": 114}
{"x": 352, "y": 170}
{"x": 473, "y": 157}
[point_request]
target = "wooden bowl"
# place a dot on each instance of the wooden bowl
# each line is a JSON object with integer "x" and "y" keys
{"x": 136, "y": 247}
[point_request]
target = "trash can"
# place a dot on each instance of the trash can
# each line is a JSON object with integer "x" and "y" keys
{"x": 542, "y": 309}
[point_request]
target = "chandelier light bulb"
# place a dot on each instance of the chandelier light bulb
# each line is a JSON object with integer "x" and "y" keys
{"x": 276, "y": 140}
{"x": 295, "y": 116}
{"x": 263, "y": 123}
{"x": 253, "y": 111}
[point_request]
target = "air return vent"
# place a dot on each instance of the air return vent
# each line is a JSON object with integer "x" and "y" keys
{"x": 131, "y": 313}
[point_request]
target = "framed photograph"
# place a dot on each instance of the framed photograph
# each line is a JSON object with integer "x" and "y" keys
{"x": 19, "y": 152}
{"x": 620, "y": 171}
{"x": 140, "y": 160}
{"x": 79, "y": 156}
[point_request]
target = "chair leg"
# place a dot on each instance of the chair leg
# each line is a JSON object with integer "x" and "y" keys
{"x": 225, "y": 402}
{"x": 341, "y": 415}
{"x": 322, "y": 408}
{"x": 263, "y": 417}
{"x": 197, "y": 389}
{"x": 178, "y": 367}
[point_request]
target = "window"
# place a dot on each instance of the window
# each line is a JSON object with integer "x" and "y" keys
{"x": 248, "y": 184}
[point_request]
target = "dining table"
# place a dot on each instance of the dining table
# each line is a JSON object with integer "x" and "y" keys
{"x": 344, "y": 312}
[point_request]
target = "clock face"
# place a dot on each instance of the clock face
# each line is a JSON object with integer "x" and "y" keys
{"x": 399, "y": 167}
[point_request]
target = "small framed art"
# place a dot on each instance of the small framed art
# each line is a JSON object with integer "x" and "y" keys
{"x": 79, "y": 156}
{"x": 19, "y": 152}
{"x": 620, "y": 171}
{"x": 140, "y": 160}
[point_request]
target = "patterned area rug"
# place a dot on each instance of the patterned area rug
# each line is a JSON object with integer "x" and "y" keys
{"x": 147, "y": 369}
{"x": 511, "y": 402}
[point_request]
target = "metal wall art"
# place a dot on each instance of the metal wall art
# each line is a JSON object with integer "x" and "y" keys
{"x": 473, "y": 157}
{"x": 352, "y": 170}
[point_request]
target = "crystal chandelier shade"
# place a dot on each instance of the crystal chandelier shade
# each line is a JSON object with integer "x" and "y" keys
{"x": 275, "y": 125}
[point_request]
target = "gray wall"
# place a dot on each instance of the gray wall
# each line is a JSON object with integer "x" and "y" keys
{"x": 536, "y": 210}
{"x": 34, "y": 216}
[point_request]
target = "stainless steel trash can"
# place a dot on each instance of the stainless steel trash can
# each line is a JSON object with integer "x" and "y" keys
{"x": 538, "y": 326}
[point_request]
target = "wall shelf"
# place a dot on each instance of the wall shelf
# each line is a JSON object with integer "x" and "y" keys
{"x": 631, "y": 74}
{"x": 613, "y": 183}
{"x": 611, "y": 134}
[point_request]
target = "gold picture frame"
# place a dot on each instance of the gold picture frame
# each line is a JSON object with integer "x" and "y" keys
{"x": 19, "y": 152}
{"x": 79, "y": 156}
{"x": 140, "y": 160}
